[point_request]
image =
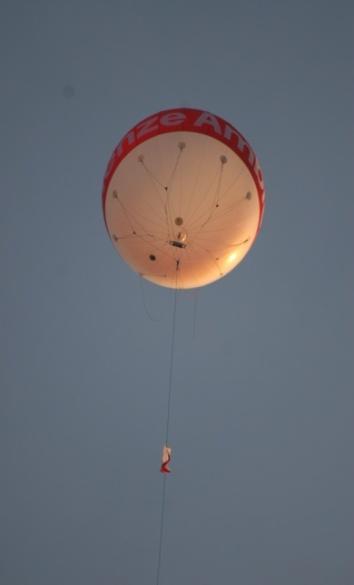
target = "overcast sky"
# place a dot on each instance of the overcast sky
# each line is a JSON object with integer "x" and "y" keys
{"x": 262, "y": 420}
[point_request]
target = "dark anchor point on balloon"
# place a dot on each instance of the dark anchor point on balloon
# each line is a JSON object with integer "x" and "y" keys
{"x": 177, "y": 244}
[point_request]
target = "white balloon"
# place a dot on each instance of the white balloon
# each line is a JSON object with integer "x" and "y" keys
{"x": 183, "y": 198}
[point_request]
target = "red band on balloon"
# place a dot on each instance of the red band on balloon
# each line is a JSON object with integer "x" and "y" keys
{"x": 187, "y": 120}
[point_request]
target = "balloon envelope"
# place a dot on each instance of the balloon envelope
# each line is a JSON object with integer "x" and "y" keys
{"x": 183, "y": 189}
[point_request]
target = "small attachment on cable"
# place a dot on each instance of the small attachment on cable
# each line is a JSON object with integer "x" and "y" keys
{"x": 166, "y": 458}
{"x": 181, "y": 145}
{"x": 223, "y": 159}
{"x": 141, "y": 158}
{"x": 115, "y": 194}
{"x": 248, "y": 195}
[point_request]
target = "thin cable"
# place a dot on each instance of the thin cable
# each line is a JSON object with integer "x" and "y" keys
{"x": 172, "y": 354}
{"x": 162, "y": 523}
{"x": 170, "y": 386}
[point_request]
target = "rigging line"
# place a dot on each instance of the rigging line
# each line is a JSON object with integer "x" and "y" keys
{"x": 167, "y": 190}
{"x": 163, "y": 500}
{"x": 200, "y": 242}
{"x": 231, "y": 208}
{"x": 127, "y": 215}
{"x": 150, "y": 173}
{"x": 216, "y": 218}
{"x": 215, "y": 261}
{"x": 181, "y": 146}
{"x": 135, "y": 235}
{"x": 159, "y": 245}
{"x": 116, "y": 196}
{"x": 216, "y": 199}
{"x": 222, "y": 195}
{"x": 167, "y": 219}
{"x": 213, "y": 231}
{"x": 153, "y": 216}
{"x": 198, "y": 174}
{"x": 152, "y": 211}
{"x": 179, "y": 180}
{"x": 215, "y": 203}
{"x": 157, "y": 184}
{"x": 154, "y": 220}
{"x": 238, "y": 243}
{"x": 143, "y": 298}
{"x": 233, "y": 182}
{"x": 161, "y": 249}
{"x": 163, "y": 199}
{"x": 191, "y": 218}
{"x": 153, "y": 204}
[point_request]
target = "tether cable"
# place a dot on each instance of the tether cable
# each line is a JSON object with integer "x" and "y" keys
{"x": 168, "y": 417}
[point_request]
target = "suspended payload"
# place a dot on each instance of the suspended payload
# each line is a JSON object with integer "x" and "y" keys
{"x": 183, "y": 190}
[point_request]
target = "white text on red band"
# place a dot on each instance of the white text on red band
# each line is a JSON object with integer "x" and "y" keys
{"x": 203, "y": 120}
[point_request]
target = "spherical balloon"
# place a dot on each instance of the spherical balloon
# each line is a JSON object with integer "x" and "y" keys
{"x": 183, "y": 198}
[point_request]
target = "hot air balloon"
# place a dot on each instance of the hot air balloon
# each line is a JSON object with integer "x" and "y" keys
{"x": 183, "y": 201}
{"x": 183, "y": 198}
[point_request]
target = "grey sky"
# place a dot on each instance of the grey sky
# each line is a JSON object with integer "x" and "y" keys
{"x": 262, "y": 421}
